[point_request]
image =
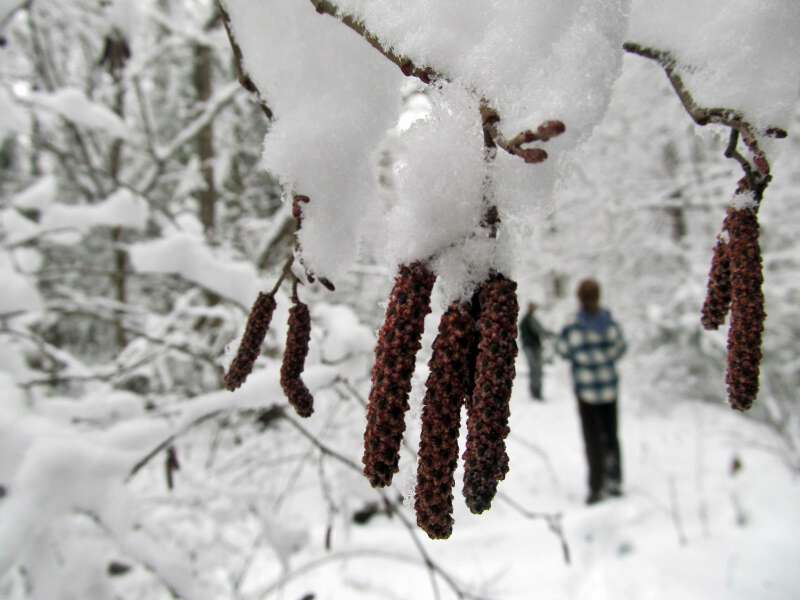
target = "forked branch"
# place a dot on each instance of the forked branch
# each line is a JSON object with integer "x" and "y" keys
{"x": 428, "y": 74}
{"x": 719, "y": 116}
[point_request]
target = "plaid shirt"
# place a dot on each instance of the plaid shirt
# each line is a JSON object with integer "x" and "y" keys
{"x": 593, "y": 354}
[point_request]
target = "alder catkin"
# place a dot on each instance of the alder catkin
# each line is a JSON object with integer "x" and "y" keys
{"x": 485, "y": 458}
{"x": 718, "y": 292}
{"x": 747, "y": 309}
{"x": 253, "y": 337}
{"x": 395, "y": 356}
{"x": 441, "y": 417}
{"x": 294, "y": 359}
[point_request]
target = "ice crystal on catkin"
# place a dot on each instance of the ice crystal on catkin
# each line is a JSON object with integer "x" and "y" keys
{"x": 485, "y": 458}
{"x": 747, "y": 309}
{"x": 441, "y": 416}
{"x": 250, "y": 346}
{"x": 718, "y": 293}
{"x": 395, "y": 355}
{"x": 294, "y": 359}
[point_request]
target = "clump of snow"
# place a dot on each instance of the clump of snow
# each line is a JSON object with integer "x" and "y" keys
{"x": 37, "y": 196}
{"x": 439, "y": 176}
{"x": 73, "y": 105}
{"x": 533, "y": 61}
{"x": 333, "y": 97}
{"x": 463, "y": 266}
{"x": 190, "y": 257}
{"x": 124, "y": 15}
{"x": 746, "y": 199}
{"x": 742, "y": 56}
{"x": 261, "y": 389}
{"x": 19, "y": 294}
{"x": 83, "y": 475}
{"x": 122, "y": 209}
{"x": 17, "y": 228}
{"x": 343, "y": 334}
{"x": 12, "y": 117}
{"x": 105, "y": 405}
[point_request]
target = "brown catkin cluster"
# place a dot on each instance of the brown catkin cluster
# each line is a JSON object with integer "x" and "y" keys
{"x": 294, "y": 359}
{"x": 485, "y": 458}
{"x": 747, "y": 308}
{"x": 250, "y": 346}
{"x": 441, "y": 416}
{"x": 395, "y": 356}
{"x": 718, "y": 292}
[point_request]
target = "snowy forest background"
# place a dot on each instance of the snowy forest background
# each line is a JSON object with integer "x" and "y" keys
{"x": 138, "y": 226}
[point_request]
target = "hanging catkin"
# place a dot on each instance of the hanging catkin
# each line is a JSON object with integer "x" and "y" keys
{"x": 747, "y": 308}
{"x": 250, "y": 346}
{"x": 718, "y": 292}
{"x": 294, "y": 359}
{"x": 441, "y": 415}
{"x": 395, "y": 356}
{"x": 485, "y": 458}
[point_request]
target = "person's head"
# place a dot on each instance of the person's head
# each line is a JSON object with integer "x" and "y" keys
{"x": 589, "y": 295}
{"x": 532, "y": 306}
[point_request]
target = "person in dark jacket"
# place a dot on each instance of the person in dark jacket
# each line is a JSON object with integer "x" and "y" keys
{"x": 532, "y": 335}
{"x": 593, "y": 343}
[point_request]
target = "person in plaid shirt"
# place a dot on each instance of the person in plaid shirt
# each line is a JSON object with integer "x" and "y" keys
{"x": 593, "y": 343}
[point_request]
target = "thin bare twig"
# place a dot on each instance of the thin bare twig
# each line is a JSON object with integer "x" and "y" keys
{"x": 241, "y": 73}
{"x": 757, "y": 174}
{"x": 700, "y": 115}
{"x": 397, "y": 510}
{"x": 425, "y": 74}
{"x": 493, "y": 136}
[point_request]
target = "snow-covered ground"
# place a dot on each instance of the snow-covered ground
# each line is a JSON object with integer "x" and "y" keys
{"x": 709, "y": 513}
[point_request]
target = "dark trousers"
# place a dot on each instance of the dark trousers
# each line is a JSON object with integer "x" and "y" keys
{"x": 534, "y": 356}
{"x": 599, "y": 424}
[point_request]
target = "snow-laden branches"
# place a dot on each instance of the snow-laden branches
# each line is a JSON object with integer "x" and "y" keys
{"x": 735, "y": 277}
{"x": 701, "y": 115}
{"x": 427, "y": 74}
{"x": 728, "y": 117}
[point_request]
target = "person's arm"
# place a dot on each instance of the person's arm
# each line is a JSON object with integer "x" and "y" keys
{"x": 541, "y": 332}
{"x": 618, "y": 344}
{"x": 562, "y": 345}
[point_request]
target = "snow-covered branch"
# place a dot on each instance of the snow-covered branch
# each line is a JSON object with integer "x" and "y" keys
{"x": 701, "y": 115}
{"x": 425, "y": 74}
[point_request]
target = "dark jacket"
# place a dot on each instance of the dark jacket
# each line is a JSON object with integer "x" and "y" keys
{"x": 531, "y": 332}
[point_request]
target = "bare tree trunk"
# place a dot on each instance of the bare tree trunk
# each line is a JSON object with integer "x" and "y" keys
{"x": 202, "y": 79}
{"x": 119, "y": 280}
